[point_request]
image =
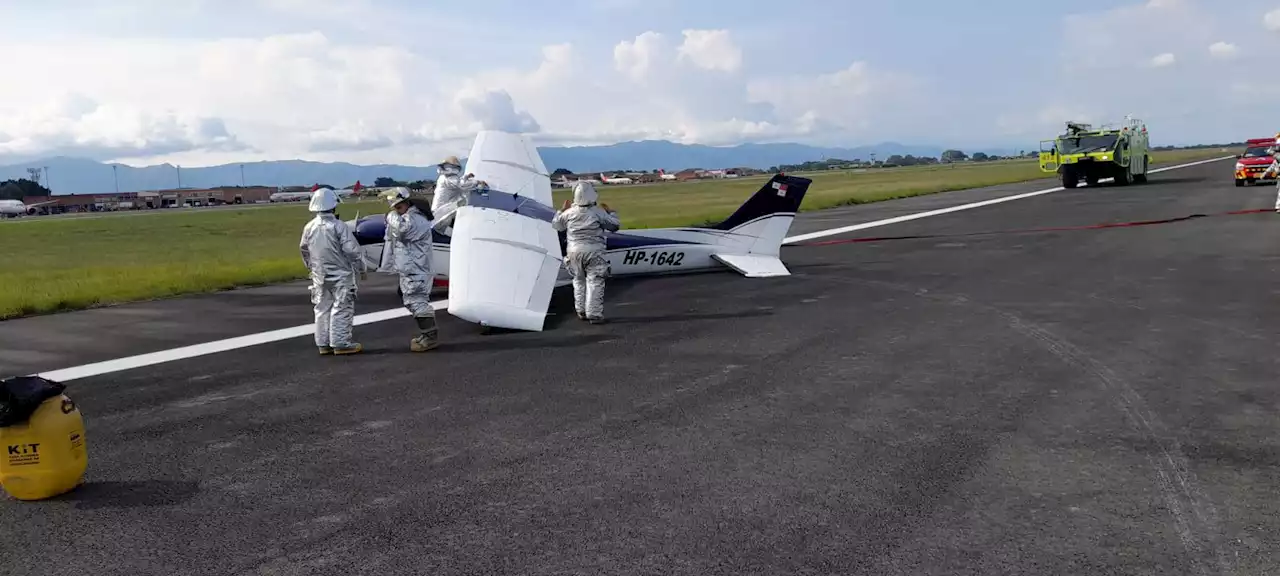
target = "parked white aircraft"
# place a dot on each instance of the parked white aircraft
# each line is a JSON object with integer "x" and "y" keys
{"x": 282, "y": 196}
{"x": 290, "y": 196}
{"x": 662, "y": 175}
{"x": 346, "y": 193}
{"x": 608, "y": 180}
{"x": 16, "y": 208}
{"x": 567, "y": 183}
{"x": 501, "y": 259}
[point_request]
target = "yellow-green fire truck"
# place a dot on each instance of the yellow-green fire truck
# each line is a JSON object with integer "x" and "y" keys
{"x": 1082, "y": 153}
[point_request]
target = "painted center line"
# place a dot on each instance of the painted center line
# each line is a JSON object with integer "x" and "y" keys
{"x": 206, "y": 348}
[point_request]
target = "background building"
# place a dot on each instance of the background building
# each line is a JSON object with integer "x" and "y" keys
{"x": 152, "y": 200}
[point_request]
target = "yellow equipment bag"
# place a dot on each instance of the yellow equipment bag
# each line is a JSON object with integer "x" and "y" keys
{"x": 42, "y": 443}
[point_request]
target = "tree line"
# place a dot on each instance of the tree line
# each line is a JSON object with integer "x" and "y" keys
{"x": 947, "y": 157}
{"x": 22, "y": 188}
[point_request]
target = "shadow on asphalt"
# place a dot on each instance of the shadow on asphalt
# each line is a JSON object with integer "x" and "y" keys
{"x": 94, "y": 495}
{"x": 754, "y": 313}
{"x": 1175, "y": 179}
{"x": 515, "y": 342}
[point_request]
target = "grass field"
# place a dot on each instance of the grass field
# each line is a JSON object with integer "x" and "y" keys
{"x": 63, "y": 263}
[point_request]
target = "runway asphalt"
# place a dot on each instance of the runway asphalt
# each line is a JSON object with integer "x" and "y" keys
{"x": 1076, "y": 402}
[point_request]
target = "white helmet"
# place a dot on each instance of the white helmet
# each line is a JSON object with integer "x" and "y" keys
{"x": 324, "y": 200}
{"x": 584, "y": 194}
{"x": 396, "y": 195}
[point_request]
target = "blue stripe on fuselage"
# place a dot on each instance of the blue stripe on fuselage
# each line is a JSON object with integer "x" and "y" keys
{"x": 618, "y": 240}
{"x": 371, "y": 229}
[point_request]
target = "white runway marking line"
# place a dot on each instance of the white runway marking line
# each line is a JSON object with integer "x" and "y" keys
{"x": 195, "y": 350}
{"x": 865, "y": 225}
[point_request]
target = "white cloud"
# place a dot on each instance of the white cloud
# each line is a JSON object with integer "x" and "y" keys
{"x": 285, "y": 95}
{"x": 239, "y": 80}
{"x": 1092, "y": 41}
{"x": 348, "y": 136}
{"x": 711, "y": 50}
{"x": 1271, "y": 20}
{"x": 1194, "y": 103}
{"x": 846, "y": 101}
{"x": 75, "y": 125}
{"x": 1223, "y": 50}
{"x": 1162, "y": 60}
{"x": 494, "y": 110}
{"x": 307, "y": 95}
{"x": 636, "y": 58}
{"x": 320, "y": 8}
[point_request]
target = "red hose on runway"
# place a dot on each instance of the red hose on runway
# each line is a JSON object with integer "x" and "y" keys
{"x": 1029, "y": 230}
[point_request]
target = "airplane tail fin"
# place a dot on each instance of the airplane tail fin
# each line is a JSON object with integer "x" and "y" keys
{"x": 767, "y": 215}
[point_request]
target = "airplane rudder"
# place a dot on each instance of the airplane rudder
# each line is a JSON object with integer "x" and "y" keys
{"x": 780, "y": 195}
{"x": 777, "y": 203}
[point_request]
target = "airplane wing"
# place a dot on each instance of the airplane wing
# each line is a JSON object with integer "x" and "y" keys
{"x": 510, "y": 163}
{"x": 503, "y": 265}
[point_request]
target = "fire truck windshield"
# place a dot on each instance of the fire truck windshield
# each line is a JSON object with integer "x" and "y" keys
{"x": 1081, "y": 144}
{"x": 1256, "y": 152}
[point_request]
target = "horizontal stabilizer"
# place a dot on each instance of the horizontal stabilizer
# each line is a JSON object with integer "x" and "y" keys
{"x": 754, "y": 265}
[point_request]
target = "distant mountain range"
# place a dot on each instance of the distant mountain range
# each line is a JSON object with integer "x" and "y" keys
{"x": 81, "y": 176}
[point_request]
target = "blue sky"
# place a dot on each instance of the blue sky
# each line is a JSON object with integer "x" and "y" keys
{"x": 204, "y": 81}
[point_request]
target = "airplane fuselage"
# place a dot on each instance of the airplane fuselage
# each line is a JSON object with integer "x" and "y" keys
{"x": 290, "y": 197}
{"x": 648, "y": 260}
{"x": 642, "y": 252}
{"x": 305, "y": 196}
{"x": 15, "y": 208}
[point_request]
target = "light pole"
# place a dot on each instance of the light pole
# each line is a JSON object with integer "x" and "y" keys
{"x": 179, "y": 167}
{"x": 116, "y": 177}
{"x": 47, "y": 184}
{"x": 242, "y": 175}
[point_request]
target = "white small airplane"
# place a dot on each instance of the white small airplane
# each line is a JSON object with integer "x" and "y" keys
{"x": 662, "y": 175}
{"x": 608, "y": 180}
{"x": 502, "y": 259}
{"x": 16, "y": 208}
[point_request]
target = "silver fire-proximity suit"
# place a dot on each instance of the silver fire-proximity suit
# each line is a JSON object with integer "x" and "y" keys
{"x": 584, "y": 225}
{"x": 451, "y": 192}
{"x": 1273, "y": 171}
{"x": 408, "y": 244}
{"x": 333, "y": 258}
